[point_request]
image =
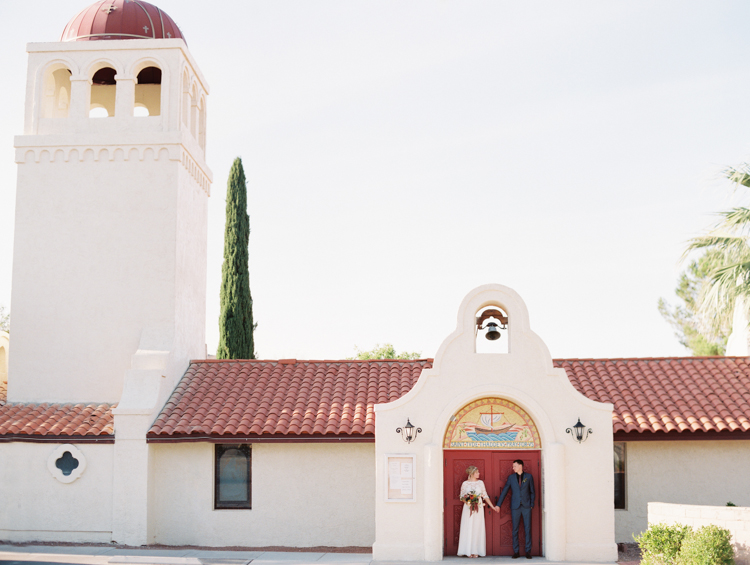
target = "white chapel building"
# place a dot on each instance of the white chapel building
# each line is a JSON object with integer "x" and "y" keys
{"x": 114, "y": 427}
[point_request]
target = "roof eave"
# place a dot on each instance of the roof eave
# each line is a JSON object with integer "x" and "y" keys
{"x": 265, "y": 438}
{"x": 699, "y": 435}
{"x": 38, "y": 438}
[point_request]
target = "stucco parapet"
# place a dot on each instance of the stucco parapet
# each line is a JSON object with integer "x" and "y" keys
{"x": 726, "y": 513}
{"x": 710, "y": 513}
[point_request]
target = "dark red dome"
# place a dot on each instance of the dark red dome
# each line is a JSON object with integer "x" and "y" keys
{"x": 120, "y": 19}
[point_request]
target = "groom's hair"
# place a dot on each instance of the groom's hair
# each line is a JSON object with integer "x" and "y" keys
{"x": 519, "y": 462}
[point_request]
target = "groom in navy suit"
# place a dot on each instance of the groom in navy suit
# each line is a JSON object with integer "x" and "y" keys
{"x": 522, "y": 498}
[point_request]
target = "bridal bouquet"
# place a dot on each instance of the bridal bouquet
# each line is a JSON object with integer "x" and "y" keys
{"x": 473, "y": 500}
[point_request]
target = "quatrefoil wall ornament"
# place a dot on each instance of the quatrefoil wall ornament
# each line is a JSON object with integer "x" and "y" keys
{"x": 66, "y": 463}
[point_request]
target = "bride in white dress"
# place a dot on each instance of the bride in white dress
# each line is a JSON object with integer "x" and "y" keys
{"x": 472, "y": 540}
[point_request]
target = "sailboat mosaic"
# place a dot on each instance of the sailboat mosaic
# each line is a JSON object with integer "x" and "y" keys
{"x": 492, "y": 423}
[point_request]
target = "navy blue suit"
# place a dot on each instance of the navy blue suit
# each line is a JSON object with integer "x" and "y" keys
{"x": 521, "y": 502}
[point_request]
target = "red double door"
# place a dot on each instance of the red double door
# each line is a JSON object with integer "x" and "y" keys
{"x": 494, "y": 468}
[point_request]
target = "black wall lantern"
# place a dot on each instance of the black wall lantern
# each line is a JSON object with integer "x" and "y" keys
{"x": 579, "y": 431}
{"x": 408, "y": 432}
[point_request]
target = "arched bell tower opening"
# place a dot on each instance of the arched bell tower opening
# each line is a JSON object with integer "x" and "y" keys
{"x": 56, "y": 92}
{"x": 103, "y": 93}
{"x": 148, "y": 92}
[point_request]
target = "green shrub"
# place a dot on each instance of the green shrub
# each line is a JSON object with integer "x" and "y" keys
{"x": 660, "y": 544}
{"x": 710, "y": 545}
{"x": 731, "y": 504}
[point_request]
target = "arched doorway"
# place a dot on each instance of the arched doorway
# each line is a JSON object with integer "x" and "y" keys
{"x": 490, "y": 433}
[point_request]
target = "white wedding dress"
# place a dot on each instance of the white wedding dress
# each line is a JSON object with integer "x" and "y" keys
{"x": 472, "y": 539}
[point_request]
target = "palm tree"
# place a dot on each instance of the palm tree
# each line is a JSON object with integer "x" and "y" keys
{"x": 685, "y": 318}
{"x": 729, "y": 278}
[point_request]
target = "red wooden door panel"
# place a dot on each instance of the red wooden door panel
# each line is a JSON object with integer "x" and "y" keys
{"x": 456, "y": 463}
{"x": 502, "y": 524}
{"x": 494, "y": 468}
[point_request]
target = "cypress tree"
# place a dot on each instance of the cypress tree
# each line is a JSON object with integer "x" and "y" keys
{"x": 236, "y": 318}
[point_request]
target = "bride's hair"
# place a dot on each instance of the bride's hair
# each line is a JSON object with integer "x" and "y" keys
{"x": 471, "y": 470}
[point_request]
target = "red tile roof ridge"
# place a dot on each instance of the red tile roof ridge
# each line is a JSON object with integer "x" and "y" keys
{"x": 294, "y": 361}
{"x": 431, "y": 359}
{"x": 674, "y": 358}
{"x": 63, "y": 404}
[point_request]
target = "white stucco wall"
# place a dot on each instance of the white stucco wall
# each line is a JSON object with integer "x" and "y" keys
{"x": 35, "y": 506}
{"x": 4, "y": 351}
{"x": 303, "y": 495}
{"x": 701, "y": 472}
{"x": 736, "y": 520}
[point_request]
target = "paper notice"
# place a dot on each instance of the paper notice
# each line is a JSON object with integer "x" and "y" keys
{"x": 406, "y": 469}
{"x": 393, "y": 469}
{"x": 394, "y": 482}
{"x": 406, "y": 486}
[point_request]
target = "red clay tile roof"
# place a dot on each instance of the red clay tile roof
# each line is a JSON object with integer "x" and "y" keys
{"x": 3, "y": 392}
{"x": 323, "y": 399}
{"x": 50, "y": 422}
{"x": 334, "y": 399}
{"x": 329, "y": 399}
{"x": 683, "y": 394}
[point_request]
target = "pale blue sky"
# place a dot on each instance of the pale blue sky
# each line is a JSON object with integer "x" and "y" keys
{"x": 401, "y": 153}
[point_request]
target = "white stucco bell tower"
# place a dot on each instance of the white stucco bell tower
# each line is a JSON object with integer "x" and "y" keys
{"x": 109, "y": 268}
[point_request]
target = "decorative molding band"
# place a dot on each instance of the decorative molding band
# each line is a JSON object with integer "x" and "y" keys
{"x": 80, "y": 154}
{"x": 192, "y": 167}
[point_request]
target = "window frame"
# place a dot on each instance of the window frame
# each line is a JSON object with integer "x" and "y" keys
{"x": 219, "y": 450}
{"x": 621, "y": 504}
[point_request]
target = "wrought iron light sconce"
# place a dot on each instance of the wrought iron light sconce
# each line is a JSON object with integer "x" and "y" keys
{"x": 409, "y": 432}
{"x": 579, "y": 431}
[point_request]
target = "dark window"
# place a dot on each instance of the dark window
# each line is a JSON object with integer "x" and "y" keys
{"x": 233, "y": 480}
{"x": 66, "y": 463}
{"x": 620, "y": 476}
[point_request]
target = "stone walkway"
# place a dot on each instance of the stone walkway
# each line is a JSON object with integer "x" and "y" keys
{"x": 105, "y": 555}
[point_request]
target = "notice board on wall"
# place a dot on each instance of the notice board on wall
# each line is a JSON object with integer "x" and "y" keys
{"x": 400, "y": 477}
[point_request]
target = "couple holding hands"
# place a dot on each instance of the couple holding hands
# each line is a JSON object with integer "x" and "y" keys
{"x": 472, "y": 539}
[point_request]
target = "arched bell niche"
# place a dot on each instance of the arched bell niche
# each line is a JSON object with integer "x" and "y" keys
{"x": 490, "y": 433}
{"x": 491, "y": 331}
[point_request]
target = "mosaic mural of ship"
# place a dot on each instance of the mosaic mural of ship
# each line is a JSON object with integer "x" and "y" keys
{"x": 492, "y": 426}
{"x": 491, "y": 423}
